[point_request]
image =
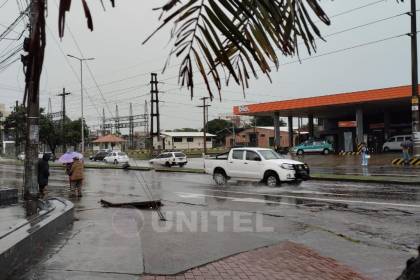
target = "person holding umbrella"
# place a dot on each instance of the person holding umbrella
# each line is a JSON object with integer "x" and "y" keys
{"x": 76, "y": 176}
{"x": 75, "y": 173}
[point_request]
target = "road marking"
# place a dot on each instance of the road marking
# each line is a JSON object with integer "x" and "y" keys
{"x": 323, "y": 199}
{"x": 234, "y": 199}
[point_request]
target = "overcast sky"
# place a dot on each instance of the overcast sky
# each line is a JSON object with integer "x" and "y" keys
{"x": 122, "y": 65}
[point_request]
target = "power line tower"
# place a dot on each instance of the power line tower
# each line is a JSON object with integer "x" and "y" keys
{"x": 154, "y": 110}
{"x": 205, "y": 107}
{"x": 35, "y": 46}
{"x": 131, "y": 127}
{"x": 63, "y": 116}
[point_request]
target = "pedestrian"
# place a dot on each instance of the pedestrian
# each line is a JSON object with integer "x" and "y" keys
{"x": 365, "y": 155}
{"x": 43, "y": 174}
{"x": 406, "y": 151}
{"x": 76, "y": 176}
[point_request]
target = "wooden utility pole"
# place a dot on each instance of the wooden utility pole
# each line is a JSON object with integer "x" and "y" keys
{"x": 414, "y": 79}
{"x": 33, "y": 66}
{"x": 205, "y": 116}
{"x": 63, "y": 116}
{"x": 131, "y": 127}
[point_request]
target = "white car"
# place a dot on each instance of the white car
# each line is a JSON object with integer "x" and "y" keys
{"x": 394, "y": 143}
{"x": 255, "y": 164}
{"x": 116, "y": 157}
{"x": 21, "y": 156}
{"x": 170, "y": 159}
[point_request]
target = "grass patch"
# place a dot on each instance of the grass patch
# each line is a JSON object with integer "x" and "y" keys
{"x": 180, "y": 170}
{"x": 361, "y": 178}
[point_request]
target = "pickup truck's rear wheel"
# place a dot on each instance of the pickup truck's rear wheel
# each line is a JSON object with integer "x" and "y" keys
{"x": 325, "y": 152}
{"x": 271, "y": 179}
{"x": 299, "y": 152}
{"x": 219, "y": 177}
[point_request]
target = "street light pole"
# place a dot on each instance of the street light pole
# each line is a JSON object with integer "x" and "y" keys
{"x": 81, "y": 96}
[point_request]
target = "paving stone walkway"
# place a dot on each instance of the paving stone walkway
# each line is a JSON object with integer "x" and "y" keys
{"x": 285, "y": 261}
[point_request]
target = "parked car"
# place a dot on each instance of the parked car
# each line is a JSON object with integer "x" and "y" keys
{"x": 170, "y": 159}
{"x": 116, "y": 157}
{"x": 394, "y": 143}
{"x": 99, "y": 156}
{"x": 255, "y": 164}
{"x": 21, "y": 156}
{"x": 313, "y": 146}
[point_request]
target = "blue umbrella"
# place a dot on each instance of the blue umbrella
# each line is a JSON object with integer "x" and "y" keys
{"x": 68, "y": 157}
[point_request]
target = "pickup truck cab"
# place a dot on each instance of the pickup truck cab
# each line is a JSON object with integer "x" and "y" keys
{"x": 255, "y": 164}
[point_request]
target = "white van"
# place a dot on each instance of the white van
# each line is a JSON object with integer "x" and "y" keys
{"x": 394, "y": 143}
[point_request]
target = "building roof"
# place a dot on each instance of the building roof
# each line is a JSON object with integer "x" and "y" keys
{"x": 110, "y": 138}
{"x": 282, "y": 128}
{"x": 186, "y": 134}
{"x": 351, "y": 98}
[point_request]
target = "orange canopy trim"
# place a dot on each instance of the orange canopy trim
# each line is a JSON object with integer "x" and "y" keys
{"x": 110, "y": 138}
{"x": 326, "y": 100}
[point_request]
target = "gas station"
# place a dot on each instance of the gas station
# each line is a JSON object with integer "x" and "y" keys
{"x": 344, "y": 119}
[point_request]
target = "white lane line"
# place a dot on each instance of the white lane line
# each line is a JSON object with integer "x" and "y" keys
{"x": 324, "y": 199}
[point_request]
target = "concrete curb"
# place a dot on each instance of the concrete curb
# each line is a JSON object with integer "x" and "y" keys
{"x": 24, "y": 244}
{"x": 319, "y": 177}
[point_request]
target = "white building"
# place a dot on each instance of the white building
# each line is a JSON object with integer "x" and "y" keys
{"x": 6, "y": 145}
{"x": 182, "y": 140}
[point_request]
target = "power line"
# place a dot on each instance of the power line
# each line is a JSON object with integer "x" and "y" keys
{"x": 357, "y": 8}
{"x": 71, "y": 67}
{"x": 345, "y": 49}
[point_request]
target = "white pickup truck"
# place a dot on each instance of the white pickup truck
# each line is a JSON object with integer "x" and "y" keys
{"x": 255, "y": 164}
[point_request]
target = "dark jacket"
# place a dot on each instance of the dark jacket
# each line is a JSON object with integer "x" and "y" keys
{"x": 43, "y": 170}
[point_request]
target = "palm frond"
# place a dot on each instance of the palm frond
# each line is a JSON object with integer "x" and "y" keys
{"x": 240, "y": 37}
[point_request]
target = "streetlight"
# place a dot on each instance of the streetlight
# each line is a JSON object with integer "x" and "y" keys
{"x": 81, "y": 94}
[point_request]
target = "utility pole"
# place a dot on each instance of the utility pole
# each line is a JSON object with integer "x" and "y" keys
{"x": 63, "y": 117}
{"x": 49, "y": 107}
{"x": 17, "y": 148}
{"x": 103, "y": 122}
{"x": 35, "y": 46}
{"x": 146, "y": 113}
{"x": 205, "y": 114}
{"x": 414, "y": 78}
{"x": 131, "y": 127}
{"x": 154, "y": 111}
{"x": 81, "y": 98}
{"x": 117, "y": 120}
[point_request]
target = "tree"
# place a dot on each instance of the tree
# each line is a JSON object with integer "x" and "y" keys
{"x": 72, "y": 135}
{"x": 236, "y": 37}
{"x": 50, "y": 133}
{"x": 186, "y": 129}
{"x": 220, "y": 128}
{"x": 266, "y": 121}
{"x": 15, "y": 124}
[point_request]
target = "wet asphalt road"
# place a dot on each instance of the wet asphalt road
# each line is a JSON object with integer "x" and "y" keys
{"x": 373, "y": 228}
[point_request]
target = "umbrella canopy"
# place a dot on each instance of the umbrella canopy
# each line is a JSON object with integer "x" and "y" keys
{"x": 68, "y": 157}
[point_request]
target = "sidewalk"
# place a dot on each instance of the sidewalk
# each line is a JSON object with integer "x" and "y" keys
{"x": 285, "y": 261}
